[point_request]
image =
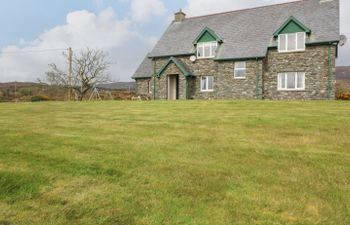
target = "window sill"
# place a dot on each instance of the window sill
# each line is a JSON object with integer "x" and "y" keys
{"x": 296, "y": 51}
{"x": 209, "y": 57}
{"x": 303, "y": 90}
{"x": 209, "y": 91}
{"x": 240, "y": 78}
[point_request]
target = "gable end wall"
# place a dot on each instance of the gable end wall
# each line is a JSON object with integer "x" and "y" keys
{"x": 313, "y": 61}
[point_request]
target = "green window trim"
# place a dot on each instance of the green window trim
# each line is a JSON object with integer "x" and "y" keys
{"x": 292, "y": 25}
{"x": 207, "y": 35}
{"x": 177, "y": 63}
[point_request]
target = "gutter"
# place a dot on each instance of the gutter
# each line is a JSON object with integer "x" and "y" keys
{"x": 329, "y": 71}
{"x": 136, "y": 78}
{"x": 167, "y": 56}
{"x": 257, "y": 79}
{"x": 154, "y": 80}
{"x": 243, "y": 58}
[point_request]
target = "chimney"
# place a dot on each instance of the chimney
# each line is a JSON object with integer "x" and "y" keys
{"x": 180, "y": 16}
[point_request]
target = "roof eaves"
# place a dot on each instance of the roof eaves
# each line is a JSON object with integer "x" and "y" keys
{"x": 239, "y": 58}
{"x": 143, "y": 77}
{"x": 170, "y": 55}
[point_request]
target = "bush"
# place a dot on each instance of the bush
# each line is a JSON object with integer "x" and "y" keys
{"x": 343, "y": 95}
{"x": 39, "y": 98}
{"x": 342, "y": 90}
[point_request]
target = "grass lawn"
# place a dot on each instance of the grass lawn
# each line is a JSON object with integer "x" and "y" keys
{"x": 193, "y": 162}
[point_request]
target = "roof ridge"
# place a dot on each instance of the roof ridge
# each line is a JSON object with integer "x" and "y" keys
{"x": 245, "y": 9}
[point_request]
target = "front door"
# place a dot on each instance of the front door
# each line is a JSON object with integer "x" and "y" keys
{"x": 173, "y": 87}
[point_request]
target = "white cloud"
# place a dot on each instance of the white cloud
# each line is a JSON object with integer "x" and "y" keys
{"x": 143, "y": 10}
{"x": 119, "y": 36}
{"x": 201, "y": 7}
{"x": 104, "y": 31}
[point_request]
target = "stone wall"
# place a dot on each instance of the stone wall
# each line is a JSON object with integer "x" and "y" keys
{"x": 142, "y": 87}
{"x": 313, "y": 61}
{"x": 225, "y": 86}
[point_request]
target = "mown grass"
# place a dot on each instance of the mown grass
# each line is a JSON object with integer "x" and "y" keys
{"x": 195, "y": 162}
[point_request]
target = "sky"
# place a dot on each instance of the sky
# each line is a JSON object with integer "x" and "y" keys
{"x": 35, "y": 33}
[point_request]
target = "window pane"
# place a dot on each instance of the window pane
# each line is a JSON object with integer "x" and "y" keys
{"x": 204, "y": 83}
{"x": 282, "y": 43}
{"x": 210, "y": 83}
{"x": 301, "y": 80}
{"x": 240, "y": 65}
{"x": 292, "y": 42}
{"x": 200, "y": 50}
{"x": 240, "y": 73}
{"x": 291, "y": 80}
{"x": 207, "y": 51}
{"x": 301, "y": 41}
{"x": 214, "y": 47}
{"x": 282, "y": 81}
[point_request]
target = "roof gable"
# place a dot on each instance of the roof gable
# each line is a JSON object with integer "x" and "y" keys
{"x": 292, "y": 25}
{"x": 182, "y": 67}
{"x": 207, "y": 35}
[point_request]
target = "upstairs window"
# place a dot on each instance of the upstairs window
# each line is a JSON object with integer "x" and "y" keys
{"x": 206, "y": 50}
{"x": 240, "y": 70}
{"x": 291, "y": 42}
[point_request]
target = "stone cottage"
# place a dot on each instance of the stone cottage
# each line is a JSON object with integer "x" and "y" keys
{"x": 283, "y": 51}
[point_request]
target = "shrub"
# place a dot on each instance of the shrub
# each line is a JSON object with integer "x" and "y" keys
{"x": 343, "y": 95}
{"x": 39, "y": 98}
{"x": 342, "y": 90}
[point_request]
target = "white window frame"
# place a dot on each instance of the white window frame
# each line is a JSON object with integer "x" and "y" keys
{"x": 279, "y": 85}
{"x": 296, "y": 43}
{"x": 207, "y": 84}
{"x": 211, "y": 46}
{"x": 240, "y": 69}
{"x": 149, "y": 86}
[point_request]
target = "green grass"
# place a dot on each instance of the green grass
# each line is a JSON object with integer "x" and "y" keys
{"x": 193, "y": 162}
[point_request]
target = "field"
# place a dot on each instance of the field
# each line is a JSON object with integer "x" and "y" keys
{"x": 194, "y": 162}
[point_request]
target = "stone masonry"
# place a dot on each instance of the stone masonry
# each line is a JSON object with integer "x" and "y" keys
{"x": 313, "y": 61}
{"x": 225, "y": 86}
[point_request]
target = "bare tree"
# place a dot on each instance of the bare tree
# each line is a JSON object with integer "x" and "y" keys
{"x": 89, "y": 68}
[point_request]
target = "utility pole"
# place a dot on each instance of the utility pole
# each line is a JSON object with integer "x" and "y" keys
{"x": 70, "y": 59}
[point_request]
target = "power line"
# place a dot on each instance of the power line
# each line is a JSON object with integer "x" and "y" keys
{"x": 32, "y": 51}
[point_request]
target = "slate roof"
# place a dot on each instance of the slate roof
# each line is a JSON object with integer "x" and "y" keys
{"x": 248, "y": 33}
{"x": 145, "y": 70}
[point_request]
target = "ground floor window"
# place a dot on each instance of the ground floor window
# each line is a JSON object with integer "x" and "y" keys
{"x": 291, "y": 81}
{"x": 207, "y": 83}
{"x": 149, "y": 87}
{"x": 240, "y": 70}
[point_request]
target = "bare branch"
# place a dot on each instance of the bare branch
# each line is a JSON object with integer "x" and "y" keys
{"x": 89, "y": 69}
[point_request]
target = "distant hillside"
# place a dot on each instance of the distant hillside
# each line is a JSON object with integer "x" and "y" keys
{"x": 118, "y": 86}
{"x": 17, "y": 84}
{"x": 24, "y": 91}
{"x": 343, "y": 73}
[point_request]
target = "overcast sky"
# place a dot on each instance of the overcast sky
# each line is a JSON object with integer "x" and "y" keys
{"x": 35, "y": 33}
